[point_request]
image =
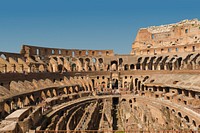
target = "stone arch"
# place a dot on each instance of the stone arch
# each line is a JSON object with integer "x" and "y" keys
{"x": 81, "y": 60}
{"x": 41, "y": 68}
{"x": 103, "y": 84}
{"x": 73, "y": 67}
{"x": 48, "y": 93}
{"x": 194, "y": 123}
{"x": 173, "y": 111}
{"x": 132, "y": 66}
{"x": 145, "y": 78}
{"x": 156, "y": 63}
{"x": 150, "y": 63}
{"x": 178, "y": 63}
{"x": 114, "y": 65}
{"x": 125, "y": 84}
{"x": 94, "y": 60}
{"x": 130, "y": 101}
{"x": 76, "y": 89}
{"x": 42, "y": 95}
{"x": 70, "y": 90}
{"x": 65, "y": 90}
{"x": 20, "y": 103}
{"x": 26, "y": 101}
{"x": 179, "y": 114}
{"x": 123, "y": 100}
{"x": 126, "y": 67}
{"x": 7, "y": 107}
{"x": 115, "y": 84}
{"x": 187, "y": 118}
{"x": 120, "y": 61}
{"x": 60, "y": 67}
{"x": 136, "y": 80}
{"x": 100, "y": 60}
{"x": 32, "y": 99}
{"x": 13, "y": 105}
{"x": 87, "y": 60}
{"x": 138, "y": 86}
{"x": 142, "y": 87}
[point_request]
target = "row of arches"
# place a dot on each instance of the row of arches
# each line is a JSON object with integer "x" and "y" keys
{"x": 189, "y": 122}
{"x": 27, "y": 98}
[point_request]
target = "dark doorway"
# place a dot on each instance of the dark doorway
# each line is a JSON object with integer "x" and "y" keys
{"x": 115, "y": 84}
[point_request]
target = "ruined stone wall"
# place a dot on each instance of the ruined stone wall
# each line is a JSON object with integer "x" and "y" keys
{"x": 28, "y": 50}
{"x": 175, "y": 38}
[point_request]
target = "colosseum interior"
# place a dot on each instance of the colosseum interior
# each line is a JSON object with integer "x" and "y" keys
{"x": 154, "y": 88}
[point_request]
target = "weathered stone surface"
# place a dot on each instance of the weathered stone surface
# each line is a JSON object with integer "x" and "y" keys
{"x": 156, "y": 87}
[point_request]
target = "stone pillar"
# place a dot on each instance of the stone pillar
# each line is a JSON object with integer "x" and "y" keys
{"x": 119, "y": 83}
{"x": 110, "y": 81}
{"x": 173, "y": 66}
{"x": 146, "y": 67}
{"x": 158, "y": 67}
{"x": 135, "y": 66}
{"x": 165, "y": 66}
{"x": 153, "y": 67}
{"x": 141, "y": 67}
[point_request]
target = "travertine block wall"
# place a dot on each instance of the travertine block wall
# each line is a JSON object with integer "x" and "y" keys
{"x": 179, "y": 37}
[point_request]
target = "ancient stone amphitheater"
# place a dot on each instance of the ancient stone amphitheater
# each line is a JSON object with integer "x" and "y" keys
{"x": 154, "y": 88}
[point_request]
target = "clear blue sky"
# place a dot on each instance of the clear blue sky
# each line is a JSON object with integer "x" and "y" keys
{"x": 86, "y": 24}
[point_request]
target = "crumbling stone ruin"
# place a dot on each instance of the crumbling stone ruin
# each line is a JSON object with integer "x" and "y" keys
{"x": 154, "y": 88}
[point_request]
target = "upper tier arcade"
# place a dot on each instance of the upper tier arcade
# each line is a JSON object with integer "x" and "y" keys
{"x": 183, "y": 36}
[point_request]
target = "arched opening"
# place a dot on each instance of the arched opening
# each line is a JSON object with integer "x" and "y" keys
{"x": 103, "y": 84}
{"x": 81, "y": 60}
{"x": 139, "y": 85}
{"x": 120, "y": 61}
{"x": 187, "y": 118}
{"x": 178, "y": 63}
{"x": 132, "y": 66}
{"x": 88, "y": 60}
{"x": 93, "y": 83}
{"x": 107, "y": 53}
{"x": 93, "y": 52}
{"x": 114, "y": 65}
{"x": 136, "y": 82}
{"x": 186, "y": 92}
{"x": 192, "y": 93}
{"x": 73, "y": 67}
{"x": 142, "y": 87}
{"x": 126, "y": 67}
{"x": 130, "y": 101}
{"x": 179, "y": 114}
{"x": 194, "y": 123}
{"x": 60, "y": 68}
{"x": 145, "y": 78}
{"x": 123, "y": 100}
{"x": 115, "y": 84}
{"x": 100, "y": 60}
{"x": 80, "y": 53}
{"x": 173, "y": 111}
{"x": 94, "y": 60}
{"x": 125, "y": 84}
